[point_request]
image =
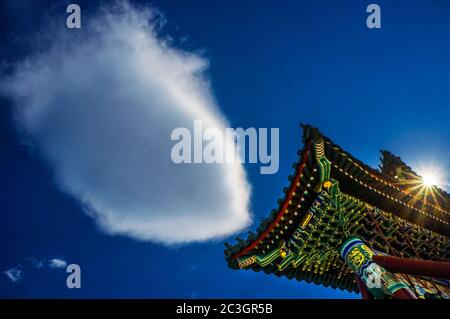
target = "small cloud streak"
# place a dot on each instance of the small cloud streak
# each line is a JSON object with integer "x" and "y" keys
{"x": 36, "y": 262}
{"x": 57, "y": 263}
{"x": 14, "y": 274}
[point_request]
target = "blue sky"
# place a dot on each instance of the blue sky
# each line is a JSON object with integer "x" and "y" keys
{"x": 271, "y": 64}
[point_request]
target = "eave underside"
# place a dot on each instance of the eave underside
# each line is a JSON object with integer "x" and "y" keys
{"x": 410, "y": 230}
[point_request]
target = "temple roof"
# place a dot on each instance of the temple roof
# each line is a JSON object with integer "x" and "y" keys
{"x": 388, "y": 210}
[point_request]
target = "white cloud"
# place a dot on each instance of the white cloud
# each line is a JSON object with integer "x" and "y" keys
{"x": 14, "y": 274}
{"x": 36, "y": 262}
{"x": 57, "y": 263}
{"x": 101, "y": 107}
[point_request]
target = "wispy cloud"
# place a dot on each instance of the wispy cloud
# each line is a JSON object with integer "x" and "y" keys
{"x": 14, "y": 274}
{"x": 57, "y": 263}
{"x": 193, "y": 295}
{"x": 36, "y": 262}
{"x": 101, "y": 108}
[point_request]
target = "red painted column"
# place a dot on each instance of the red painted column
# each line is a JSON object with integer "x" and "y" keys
{"x": 365, "y": 294}
{"x": 377, "y": 280}
{"x": 428, "y": 268}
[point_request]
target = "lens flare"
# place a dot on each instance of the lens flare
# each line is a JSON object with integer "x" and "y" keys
{"x": 430, "y": 180}
{"x": 426, "y": 186}
{"x": 431, "y": 176}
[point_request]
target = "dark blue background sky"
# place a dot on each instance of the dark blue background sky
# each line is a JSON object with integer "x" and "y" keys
{"x": 273, "y": 64}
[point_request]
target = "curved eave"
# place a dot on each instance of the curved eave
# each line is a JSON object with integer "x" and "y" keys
{"x": 294, "y": 188}
{"x": 363, "y": 182}
{"x": 345, "y": 281}
{"x": 355, "y": 179}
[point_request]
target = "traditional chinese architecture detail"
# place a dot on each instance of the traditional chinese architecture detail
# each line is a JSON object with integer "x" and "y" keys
{"x": 340, "y": 221}
{"x": 379, "y": 282}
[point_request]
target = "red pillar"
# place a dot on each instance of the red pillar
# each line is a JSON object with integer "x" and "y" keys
{"x": 365, "y": 294}
{"x": 428, "y": 268}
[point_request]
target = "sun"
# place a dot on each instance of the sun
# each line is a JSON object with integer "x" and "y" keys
{"x": 431, "y": 176}
{"x": 430, "y": 179}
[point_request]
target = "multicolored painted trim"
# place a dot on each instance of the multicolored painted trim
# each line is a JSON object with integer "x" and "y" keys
{"x": 379, "y": 282}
